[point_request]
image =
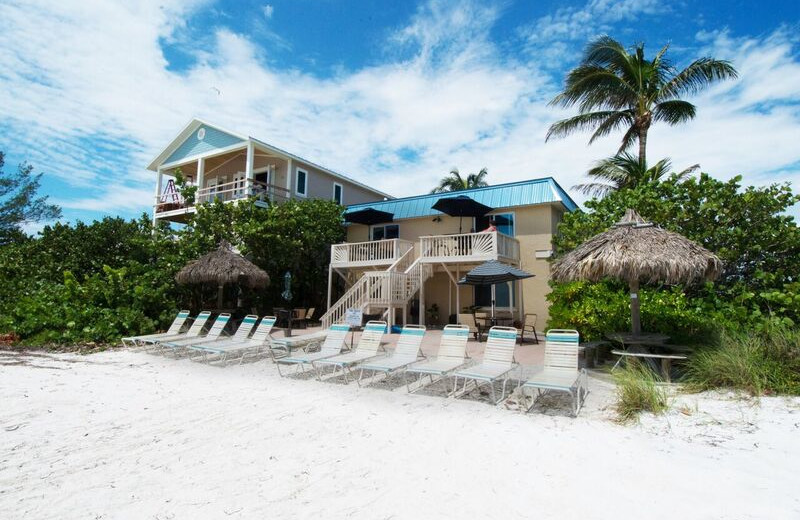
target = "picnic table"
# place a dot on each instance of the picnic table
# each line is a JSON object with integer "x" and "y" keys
{"x": 650, "y": 346}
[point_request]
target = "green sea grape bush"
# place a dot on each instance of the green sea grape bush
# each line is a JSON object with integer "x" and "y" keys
{"x": 100, "y": 281}
{"x": 749, "y": 228}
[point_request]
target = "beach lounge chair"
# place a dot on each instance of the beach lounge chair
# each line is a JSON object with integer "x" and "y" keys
{"x": 497, "y": 362}
{"x": 560, "y": 372}
{"x": 406, "y": 352}
{"x": 452, "y": 354}
{"x": 367, "y": 348}
{"x": 331, "y": 346}
{"x": 223, "y": 349}
{"x": 174, "y": 329}
{"x": 242, "y": 334}
{"x": 194, "y": 331}
{"x": 212, "y": 335}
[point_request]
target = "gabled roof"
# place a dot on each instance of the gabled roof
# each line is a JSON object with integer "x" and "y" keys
{"x": 522, "y": 193}
{"x": 217, "y": 138}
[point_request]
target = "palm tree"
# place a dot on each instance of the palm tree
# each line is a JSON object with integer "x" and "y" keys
{"x": 624, "y": 171}
{"x": 616, "y": 89}
{"x": 455, "y": 182}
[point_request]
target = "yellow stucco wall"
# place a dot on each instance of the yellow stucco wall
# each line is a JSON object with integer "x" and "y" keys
{"x": 534, "y": 228}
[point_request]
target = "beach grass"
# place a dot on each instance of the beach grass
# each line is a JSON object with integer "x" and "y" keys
{"x": 638, "y": 391}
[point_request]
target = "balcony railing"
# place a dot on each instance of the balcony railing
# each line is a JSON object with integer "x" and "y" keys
{"x": 229, "y": 191}
{"x": 377, "y": 252}
{"x": 469, "y": 247}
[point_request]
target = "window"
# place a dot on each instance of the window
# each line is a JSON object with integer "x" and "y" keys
{"x": 503, "y": 221}
{"x": 301, "y": 182}
{"x": 337, "y": 193}
{"x": 385, "y": 232}
{"x": 502, "y": 298}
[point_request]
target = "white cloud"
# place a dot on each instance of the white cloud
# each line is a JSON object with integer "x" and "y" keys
{"x": 267, "y": 9}
{"x": 447, "y": 92}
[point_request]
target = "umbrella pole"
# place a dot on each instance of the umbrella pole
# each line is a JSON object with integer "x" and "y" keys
{"x": 636, "y": 323}
{"x": 220, "y": 293}
{"x": 493, "y": 303}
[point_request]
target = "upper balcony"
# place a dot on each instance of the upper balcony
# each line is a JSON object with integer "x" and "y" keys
{"x": 469, "y": 248}
{"x": 368, "y": 254}
{"x": 173, "y": 204}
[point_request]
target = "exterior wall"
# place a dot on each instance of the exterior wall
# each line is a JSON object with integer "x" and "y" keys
{"x": 213, "y": 140}
{"x": 534, "y": 228}
{"x": 320, "y": 186}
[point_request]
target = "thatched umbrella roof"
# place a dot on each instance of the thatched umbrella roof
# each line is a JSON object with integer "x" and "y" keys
{"x": 221, "y": 267}
{"x": 637, "y": 251}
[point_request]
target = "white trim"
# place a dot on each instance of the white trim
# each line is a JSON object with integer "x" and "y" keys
{"x": 384, "y": 226}
{"x": 206, "y": 155}
{"x": 341, "y": 193}
{"x": 297, "y": 183}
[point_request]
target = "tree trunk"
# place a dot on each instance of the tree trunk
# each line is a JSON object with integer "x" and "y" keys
{"x": 643, "y": 147}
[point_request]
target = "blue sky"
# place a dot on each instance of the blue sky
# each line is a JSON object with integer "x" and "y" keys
{"x": 393, "y": 94}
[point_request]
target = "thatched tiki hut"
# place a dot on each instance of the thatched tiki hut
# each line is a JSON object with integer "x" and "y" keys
{"x": 222, "y": 267}
{"x": 638, "y": 252}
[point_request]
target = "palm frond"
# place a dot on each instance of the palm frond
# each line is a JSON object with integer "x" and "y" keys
{"x": 674, "y": 111}
{"x": 578, "y": 123}
{"x": 698, "y": 75}
{"x": 594, "y": 189}
{"x": 612, "y": 123}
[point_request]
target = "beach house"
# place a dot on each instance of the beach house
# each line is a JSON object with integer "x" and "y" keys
{"x": 224, "y": 165}
{"x": 403, "y": 258}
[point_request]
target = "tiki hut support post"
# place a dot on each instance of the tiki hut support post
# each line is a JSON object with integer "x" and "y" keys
{"x": 636, "y": 322}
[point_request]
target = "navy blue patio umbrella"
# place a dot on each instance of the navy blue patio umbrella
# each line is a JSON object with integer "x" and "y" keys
{"x": 493, "y": 273}
{"x": 461, "y": 206}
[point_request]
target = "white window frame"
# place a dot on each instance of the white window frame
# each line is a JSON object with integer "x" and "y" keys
{"x": 341, "y": 193}
{"x": 384, "y": 226}
{"x": 297, "y": 182}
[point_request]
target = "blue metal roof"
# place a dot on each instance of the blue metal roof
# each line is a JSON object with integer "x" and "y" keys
{"x": 522, "y": 193}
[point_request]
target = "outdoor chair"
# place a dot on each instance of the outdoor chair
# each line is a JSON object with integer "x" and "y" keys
{"x": 299, "y": 317}
{"x": 468, "y": 320}
{"x": 331, "y": 346}
{"x": 406, "y": 352}
{"x": 529, "y": 327}
{"x": 212, "y": 335}
{"x": 497, "y": 362}
{"x": 194, "y": 331}
{"x": 173, "y": 330}
{"x": 224, "y": 348}
{"x": 310, "y": 316}
{"x": 368, "y": 345}
{"x": 452, "y": 354}
{"x": 560, "y": 372}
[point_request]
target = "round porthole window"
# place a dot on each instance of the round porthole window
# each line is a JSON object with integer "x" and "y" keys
{"x": 201, "y": 134}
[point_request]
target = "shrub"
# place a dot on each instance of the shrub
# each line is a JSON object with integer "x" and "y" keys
{"x": 759, "y": 363}
{"x": 638, "y": 391}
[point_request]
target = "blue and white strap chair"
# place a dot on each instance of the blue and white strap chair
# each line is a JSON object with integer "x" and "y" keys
{"x": 560, "y": 372}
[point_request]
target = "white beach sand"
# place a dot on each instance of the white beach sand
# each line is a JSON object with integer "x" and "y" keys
{"x": 124, "y": 434}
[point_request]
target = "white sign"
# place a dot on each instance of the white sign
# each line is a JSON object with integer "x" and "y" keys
{"x": 353, "y": 317}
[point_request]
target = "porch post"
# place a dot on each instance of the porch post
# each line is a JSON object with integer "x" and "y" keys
{"x": 458, "y": 292}
{"x": 159, "y": 181}
{"x": 330, "y": 286}
{"x": 201, "y": 174}
{"x": 422, "y": 303}
{"x": 248, "y": 167}
{"x": 289, "y": 176}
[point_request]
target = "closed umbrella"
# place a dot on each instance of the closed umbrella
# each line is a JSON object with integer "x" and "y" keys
{"x": 492, "y": 273}
{"x": 461, "y": 206}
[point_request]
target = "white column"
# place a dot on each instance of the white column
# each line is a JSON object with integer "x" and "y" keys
{"x": 159, "y": 181}
{"x": 330, "y": 286}
{"x": 201, "y": 172}
{"x": 289, "y": 176}
{"x": 248, "y": 168}
{"x": 458, "y": 292}
{"x": 422, "y": 303}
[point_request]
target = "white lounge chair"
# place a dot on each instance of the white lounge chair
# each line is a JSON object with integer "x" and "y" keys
{"x": 497, "y": 362}
{"x": 560, "y": 372}
{"x": 368, "y": 345}
{"x": 406, "y": 352}
{"x": 242, "y": 346}
{"x": 212, "y": 335}
{"x": 197, "y": 327}
{"x": 174, "y": 329}
{"x": 452, "y": 354}
{"x": 331, "y": 346}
